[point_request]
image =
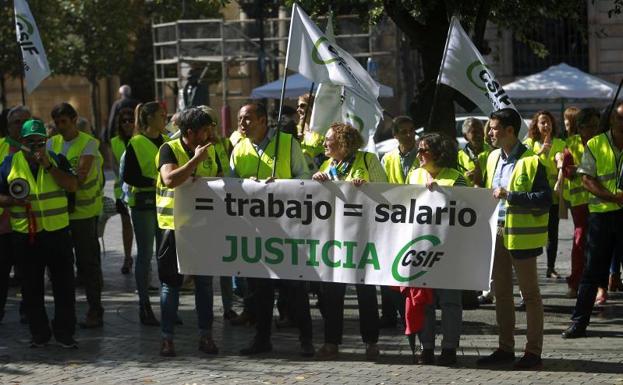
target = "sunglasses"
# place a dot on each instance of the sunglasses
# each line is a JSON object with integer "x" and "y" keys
{"x": 36, "y": 145}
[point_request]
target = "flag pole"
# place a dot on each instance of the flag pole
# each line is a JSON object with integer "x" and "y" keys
{"x": 309, "y": 104}
{"x": 21, "y": 78}
{"x": 443, "y": 62}
{"x": 283, "y": 93}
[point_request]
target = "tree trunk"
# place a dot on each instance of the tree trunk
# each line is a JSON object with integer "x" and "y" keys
{"x": 429, "y": 40}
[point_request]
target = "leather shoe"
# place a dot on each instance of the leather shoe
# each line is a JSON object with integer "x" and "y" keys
{"x": 426, "y": 357}
{"x": 529, "y": 361}
{"x": 574, "y": 331}
{"x": 257, "y": 348}
{"x": 551, "y": 273}
{"x": 327, "y": 352}
{"x": 207, "y": 345}
{"x": 93, "y": 320}
{"x": 447, "y": 357}
{"x": 167, "y": 349}
{"x": 146, "y": 315}
{"x": 372, "y": 352}
{"x": 496, "y": 358}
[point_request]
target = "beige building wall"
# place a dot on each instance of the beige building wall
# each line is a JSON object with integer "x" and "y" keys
{"x": 605, "y": 41}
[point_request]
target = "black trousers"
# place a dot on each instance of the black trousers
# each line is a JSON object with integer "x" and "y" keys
{"x": 264, "y": 299}
{"x": 7, "y": 261}
{"x": 51, "y": 250}
{"x": 552, "y": 236}
{"x": 392, "y": 304}
{"x": 88, "y": 260}
{"x": 605, "y": 235}
{"x": 333, "y": 303}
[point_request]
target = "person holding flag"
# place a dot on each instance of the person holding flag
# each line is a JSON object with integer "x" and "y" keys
{"x": 33, "y": 187}
{"x": 472, "y": 158}
{"x": 255, "y": 157}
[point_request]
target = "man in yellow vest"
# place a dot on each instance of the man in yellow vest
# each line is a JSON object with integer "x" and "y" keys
{"x": 82, "y": 152}
{"x": 472, "y": 158}
{"x": 519, "y": 182}
{"x": 197, "y": 153}
{"x": 253, "y": 157}
{"x": 40, "y": 224}
{"x": 15, "y": 119}
{"x": 399, "y": 164}
{"x": 601, "y": 176}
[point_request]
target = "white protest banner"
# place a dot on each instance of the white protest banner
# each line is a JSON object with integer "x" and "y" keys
{"x": 312, "y": 54}
{"x": 377, "y": 234}
{"x": 35, "y": 65}
{"x": 464, "y": 69}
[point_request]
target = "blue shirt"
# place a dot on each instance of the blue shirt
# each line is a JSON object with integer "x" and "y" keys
{"x": 503, "y": 171}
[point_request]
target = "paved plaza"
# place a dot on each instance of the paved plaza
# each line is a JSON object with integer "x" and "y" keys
{"x": 125, "y": 352}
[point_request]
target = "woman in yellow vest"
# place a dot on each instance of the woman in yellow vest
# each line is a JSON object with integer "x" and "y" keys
{"x": 543, "y": 141}
{"x": 140, "y": 173}
{"x": 347, "y": 163}
{"x": 438, "y": 160}
{"x": 125, "y": 129}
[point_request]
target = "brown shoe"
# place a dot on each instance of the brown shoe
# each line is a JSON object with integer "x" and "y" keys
{"x": 426, "y": 357}
{"x": 93, "y": 320}
{"x": 167, "y": 349}
{"x": 207, "y": 345}
{"x": 327, "y": 352}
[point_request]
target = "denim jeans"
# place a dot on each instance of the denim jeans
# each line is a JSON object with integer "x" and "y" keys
{"x": 604, "y": 238}
{"x": 169, "y": 302}
{"x": 450, "y": 302}
{"x": 146, "y": 231}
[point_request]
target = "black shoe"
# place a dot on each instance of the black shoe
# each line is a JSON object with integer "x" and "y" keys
{"x": 307, "y": 349}
{"x": 34, "y": 343}
{"x": 447, "y": 357}
{"x": 243, "y": 319}
{"x": 529, "y": 361}
{"x": 178, "y": 320}
{"x": 551, "y": 273}
{"x": 67, "y": 342}
{"x": 496, "y": 358}
{"x": 574, "y": 331}
{"x": 146, "y": 315}
{"x": 257, "y": 348}
{"x": 23, "y": 318}
{"x": 485, "y": 300}
{"x": 426, "y": 357}
{"x": 93, "y": 320}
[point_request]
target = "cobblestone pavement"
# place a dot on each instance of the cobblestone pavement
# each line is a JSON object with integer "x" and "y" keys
{"x": 124, "y": 352}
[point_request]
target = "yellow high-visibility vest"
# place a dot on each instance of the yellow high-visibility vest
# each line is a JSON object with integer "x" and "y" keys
{"x": 247, "y": 163}
{"x": 446, "y": 177}
{"x": 89, "y": 195}
{"x": 524, "y": 228}
{"x": 548, "y": 160}
{"x": 146, "y": 152}
{"x": 48, "y": 200}
{"x": 393, "y": 168}
{"x": 574, "y": 191}
{"x": 467, "y": 164}
{"x": 358, "y": 170}
{"x": 165, "y": 197}
{"x": 608, "y": 172}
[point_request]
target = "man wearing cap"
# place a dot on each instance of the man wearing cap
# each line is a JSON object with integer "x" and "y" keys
{"x": 33, "y": 186}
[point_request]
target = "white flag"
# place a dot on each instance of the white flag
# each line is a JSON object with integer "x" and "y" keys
{"x": 35, "y": 63}
{"x": 464, "y": 69}
{"x": 337, "y": 103}
{"x": 312, "y": 54}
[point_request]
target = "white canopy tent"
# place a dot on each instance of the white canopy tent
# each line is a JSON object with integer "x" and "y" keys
{"x": 560, "y": 82}
{"x": 296, "y": 86}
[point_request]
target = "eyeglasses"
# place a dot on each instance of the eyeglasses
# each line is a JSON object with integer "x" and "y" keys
{"x": 423, "y": 150}
{"x": 302, "y": 105}
{"x": 36, "y": 145}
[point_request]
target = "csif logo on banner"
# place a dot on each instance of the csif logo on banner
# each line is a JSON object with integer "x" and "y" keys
{"x": 421, "y": 252}
{"x": 482, "y": 78}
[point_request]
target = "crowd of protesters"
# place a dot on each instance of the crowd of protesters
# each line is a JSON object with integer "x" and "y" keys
{"x": 51, "y": 196}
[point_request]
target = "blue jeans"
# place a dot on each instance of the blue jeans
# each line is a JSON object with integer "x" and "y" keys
{"x": 146, "y": 231}
{"x": 450, "y": 302}
{"x": 169, "y": 302}
{"x": 603, "y": 239}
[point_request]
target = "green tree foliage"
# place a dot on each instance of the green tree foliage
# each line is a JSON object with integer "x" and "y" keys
{"x": 426, "y": 22}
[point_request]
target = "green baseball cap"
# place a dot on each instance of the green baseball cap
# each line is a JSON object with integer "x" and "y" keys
{"x": 33, "y": 127}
